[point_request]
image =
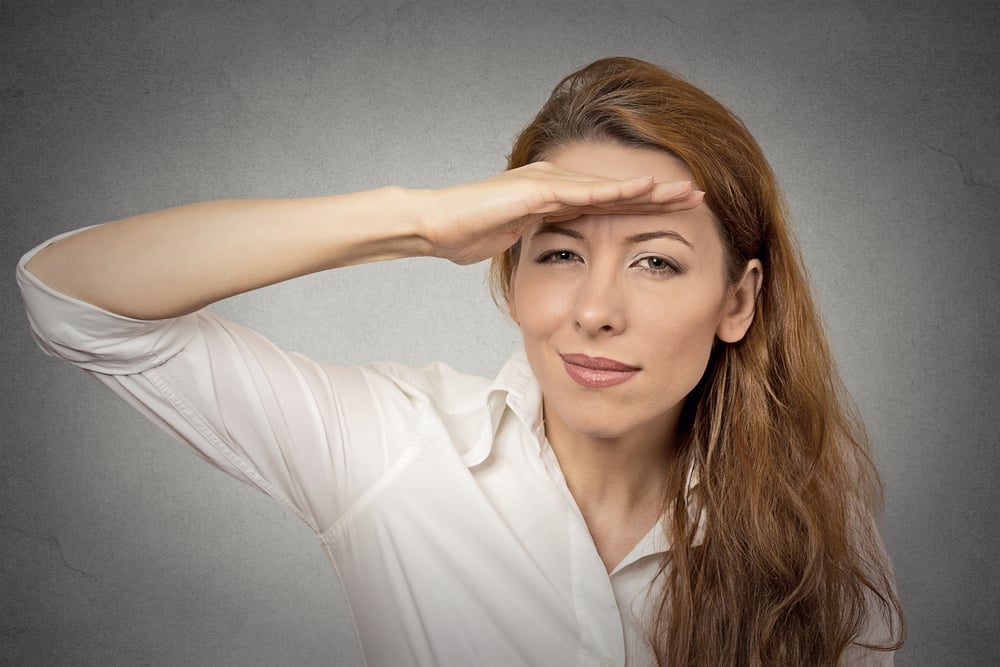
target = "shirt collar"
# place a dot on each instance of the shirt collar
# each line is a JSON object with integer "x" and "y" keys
{"x": 514, "y": 388}
{"x": 658, "y": 540}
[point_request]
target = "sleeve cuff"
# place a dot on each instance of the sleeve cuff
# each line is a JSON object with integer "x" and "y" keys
{"x": 94, "y": 338}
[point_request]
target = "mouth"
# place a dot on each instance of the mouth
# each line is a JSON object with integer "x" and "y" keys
{"x": 597, "y": 371}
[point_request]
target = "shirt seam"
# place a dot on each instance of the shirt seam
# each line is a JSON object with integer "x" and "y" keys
{"x": 393, "y": 470}
{"x": 370, "y": 494}
{"x": 201, "y": 425}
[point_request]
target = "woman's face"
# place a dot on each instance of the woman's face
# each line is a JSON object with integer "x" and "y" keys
{"x": 619, "y": 312}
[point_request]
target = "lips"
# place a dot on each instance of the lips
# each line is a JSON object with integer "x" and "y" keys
{"x": 597, "y": 371}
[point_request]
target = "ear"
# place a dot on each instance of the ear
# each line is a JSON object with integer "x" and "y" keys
{"x": 738, "y": 312}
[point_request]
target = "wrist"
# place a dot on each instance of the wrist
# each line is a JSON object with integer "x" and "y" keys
{"x": 421, "y": 210}
{"x": 377, "y": 225}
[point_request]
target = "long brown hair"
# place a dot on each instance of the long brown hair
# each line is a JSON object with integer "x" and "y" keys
{"x": 790, "y": 570}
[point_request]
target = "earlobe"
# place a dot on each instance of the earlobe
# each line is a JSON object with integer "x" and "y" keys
{"x": 741, "y": 304}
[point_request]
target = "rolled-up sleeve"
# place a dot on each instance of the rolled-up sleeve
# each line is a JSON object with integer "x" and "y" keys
{"x": 311, "y": 435}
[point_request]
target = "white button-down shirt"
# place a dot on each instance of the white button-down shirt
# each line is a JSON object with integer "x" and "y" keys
{"x": 435, "y": 494}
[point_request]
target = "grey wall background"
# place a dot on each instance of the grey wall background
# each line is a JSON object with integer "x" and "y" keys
{"x": 119, "y": 547}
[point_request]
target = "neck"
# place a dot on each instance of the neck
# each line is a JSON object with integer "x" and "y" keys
{"x": 624, "y": 474}
{"x": 617, "y": 482}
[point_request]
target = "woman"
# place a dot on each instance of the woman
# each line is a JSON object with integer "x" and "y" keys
{"x": 666, "y": 474}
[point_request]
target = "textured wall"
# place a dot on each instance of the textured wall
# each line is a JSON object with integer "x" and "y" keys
{"x": 119, "y": 547}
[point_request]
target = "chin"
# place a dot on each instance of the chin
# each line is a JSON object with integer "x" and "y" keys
{"x": 614, "y": 419}
{"x": 597, "y": 424}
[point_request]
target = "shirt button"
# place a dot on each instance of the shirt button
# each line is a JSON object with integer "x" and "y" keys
{"x": 608, "y": 662}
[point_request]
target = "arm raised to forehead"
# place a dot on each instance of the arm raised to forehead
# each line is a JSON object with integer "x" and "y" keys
{"x": 175, "y": 261}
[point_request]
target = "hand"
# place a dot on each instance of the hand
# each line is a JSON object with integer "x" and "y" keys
{"x": 472, "y": 222}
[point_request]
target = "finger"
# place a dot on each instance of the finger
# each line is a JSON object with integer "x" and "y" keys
{"x": 692, "y": 200}
{"x": 688, "y": 201}
{"x": 664, "y": 192}
{"x": 588, "y": 193}
{"x": 562, "y": 217}
{"x": 673, "y": 192}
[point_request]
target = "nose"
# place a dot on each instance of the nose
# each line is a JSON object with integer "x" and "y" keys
{"x": 599, "y": 307}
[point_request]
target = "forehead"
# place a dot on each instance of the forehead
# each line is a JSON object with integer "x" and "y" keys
{"x": 613, "y": 160}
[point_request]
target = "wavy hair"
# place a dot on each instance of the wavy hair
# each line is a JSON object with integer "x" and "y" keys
{"x": 790, "y": 570}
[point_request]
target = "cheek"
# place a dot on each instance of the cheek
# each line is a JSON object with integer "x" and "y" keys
{"x": 682, "y": 331}
{"x": 537, "y": 306}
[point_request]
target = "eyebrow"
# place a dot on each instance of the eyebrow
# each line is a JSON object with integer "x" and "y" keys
{"x": 665, "y": 234}
{"x": 550, "y": 228}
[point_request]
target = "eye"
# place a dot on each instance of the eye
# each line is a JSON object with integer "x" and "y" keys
{"x": 558, "y": 257}
{"x": 657, "y": 265}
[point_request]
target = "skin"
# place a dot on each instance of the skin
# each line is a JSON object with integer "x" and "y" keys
{"x": 172, "y": 262}
{"x": 649, "y": 291}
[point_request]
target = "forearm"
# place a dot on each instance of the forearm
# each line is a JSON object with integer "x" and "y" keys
{"x": 175, "y": 261}
{"x": 178, "y": 260}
